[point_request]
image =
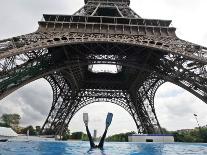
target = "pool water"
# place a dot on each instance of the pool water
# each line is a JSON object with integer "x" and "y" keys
{"x": 82, "y": 148}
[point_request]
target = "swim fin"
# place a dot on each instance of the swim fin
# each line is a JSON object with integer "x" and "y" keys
{"x": 85, "y": 118}
{"x": 109, "y": 119}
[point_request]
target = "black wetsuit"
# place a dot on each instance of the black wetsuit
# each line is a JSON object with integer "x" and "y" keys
{"x": 101, "y": 143}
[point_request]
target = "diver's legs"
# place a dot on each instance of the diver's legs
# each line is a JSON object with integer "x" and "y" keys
{"x": 108, "y": 122}
{"x": 90, "y": 137}
{"x": 101, "y": 143}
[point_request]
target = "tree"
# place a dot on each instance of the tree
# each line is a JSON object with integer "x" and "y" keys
{"x": 2, "y": 124}
{"x": 32, "y": 131}
{"x": 122, "y": 137}
{"x": 196, "y": 135}
{"x": 77, "y": 135}
{"x": 66, "y": 135}
{"x": 38, "y": 129}
{"x": 11, "y": 120}
{"x": 164, "y": 131}
{"x": 85, "y": 137}
{"x": 48, "y": 132}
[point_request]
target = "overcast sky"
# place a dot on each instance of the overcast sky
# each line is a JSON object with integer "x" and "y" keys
{"x": 175, "y": 107}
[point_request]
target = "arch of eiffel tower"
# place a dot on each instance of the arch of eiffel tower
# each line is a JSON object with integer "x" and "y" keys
{"x": 65, "y": 49}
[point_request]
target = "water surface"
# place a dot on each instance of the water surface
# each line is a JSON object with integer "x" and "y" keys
{"x": 82, "y": 148}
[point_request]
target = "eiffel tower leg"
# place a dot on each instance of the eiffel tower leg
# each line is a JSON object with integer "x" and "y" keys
{"x": 62, "y": 123}
{"x": 143, "y": 117}
{"x": 149, "y": 89}
{"x": 62, "y": 96}
{"x": 143, "y": 103}
{"x": 134, "y": 115}
{"x": 150, "y": 95}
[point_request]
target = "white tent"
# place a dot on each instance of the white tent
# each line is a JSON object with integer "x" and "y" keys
{"x": 7, "y": 132}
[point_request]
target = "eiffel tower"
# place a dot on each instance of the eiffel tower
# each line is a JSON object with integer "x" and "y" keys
{"x": 66, "y": 50}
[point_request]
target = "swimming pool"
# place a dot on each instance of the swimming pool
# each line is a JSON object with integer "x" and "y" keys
{"x": 82, "y": 148}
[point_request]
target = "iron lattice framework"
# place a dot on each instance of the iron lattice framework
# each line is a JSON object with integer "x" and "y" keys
{"x": 65, "y": 48}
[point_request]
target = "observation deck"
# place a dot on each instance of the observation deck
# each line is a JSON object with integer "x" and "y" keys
{"x": 109, "y": 1}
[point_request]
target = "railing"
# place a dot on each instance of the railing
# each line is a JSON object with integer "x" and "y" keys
{"x": 6, "y": 45}
{"x": 104, "y": 20}
{"x": 109, "y": 1}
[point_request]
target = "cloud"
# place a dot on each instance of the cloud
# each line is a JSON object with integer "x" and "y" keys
{"x": 32, "y": 102}
{"x": 188, "y": 16}
{"x": 169, "y": 91}
{"x": 25, "y": 14}
{"x": 186, "y": 4}
{"x": 176, "y": 112}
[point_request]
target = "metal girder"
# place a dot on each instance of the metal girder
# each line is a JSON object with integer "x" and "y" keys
{"x": 169, "y": 44}
{"x": 62, "y": 97}
{"x": 120, "y": 7}
{"x": 121, "y": 98}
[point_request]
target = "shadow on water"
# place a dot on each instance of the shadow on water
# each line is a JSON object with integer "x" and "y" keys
{"x": 96, "y": 152}
{"x": 149, "y": 149}
{"x": 129, "y": 149}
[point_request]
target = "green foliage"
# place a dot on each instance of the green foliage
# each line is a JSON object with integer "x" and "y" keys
{"x": 204, "y": 135}
{"x": 49, "y": 132}
{"x": 196, "y": 135}
{"x": 3, "y": 125}
{"x": 32, "y": 131}
{"x": 38, "y": 130}
{"x": 164, "y": 131}
{"x": 117, "y": 138}
{"x": 10, "y": 120}
{"x": 76, "y": 135}
{"x": 85, "y": 137}
{"x": 122, "y": 137}
{"x": 66, "y": 135}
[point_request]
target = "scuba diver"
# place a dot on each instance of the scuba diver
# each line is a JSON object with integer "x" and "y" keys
{"x": 101, "y": 143}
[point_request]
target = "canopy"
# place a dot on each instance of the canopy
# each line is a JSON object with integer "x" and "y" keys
{"x": 7, "y": 132}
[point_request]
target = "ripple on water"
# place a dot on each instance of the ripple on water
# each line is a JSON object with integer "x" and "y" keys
{"x": 82, "y": 148}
